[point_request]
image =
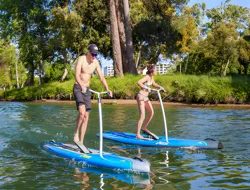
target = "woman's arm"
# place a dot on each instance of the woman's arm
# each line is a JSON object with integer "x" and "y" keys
{"x": 157, "y": 85}
{"x": 142, "y": 81}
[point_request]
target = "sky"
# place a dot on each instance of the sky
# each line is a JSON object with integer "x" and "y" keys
{"x": 215, "y": 3}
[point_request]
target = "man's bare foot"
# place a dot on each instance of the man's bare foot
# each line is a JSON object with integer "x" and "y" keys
{"x": 81, "y": 146}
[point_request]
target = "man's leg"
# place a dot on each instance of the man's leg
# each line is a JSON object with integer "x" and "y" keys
{"x": 84, "y": 126}
{"x": 79, "y": 122}
{"x": 87, "y": 103}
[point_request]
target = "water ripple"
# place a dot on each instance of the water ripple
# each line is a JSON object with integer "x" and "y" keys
{"x": 26, "y": 126}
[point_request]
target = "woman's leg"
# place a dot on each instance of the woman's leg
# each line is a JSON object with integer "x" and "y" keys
{"x": 149, "y": 108}
{"x": 141, "y": 107}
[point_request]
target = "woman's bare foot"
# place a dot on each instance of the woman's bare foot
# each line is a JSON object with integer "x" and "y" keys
{"x": 139, "y": 137}
{"x": 146, "y": 130}
{"x": 76, "y": 139}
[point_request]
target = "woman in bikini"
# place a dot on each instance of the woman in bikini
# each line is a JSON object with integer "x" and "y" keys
{"x": 142, "y": 99}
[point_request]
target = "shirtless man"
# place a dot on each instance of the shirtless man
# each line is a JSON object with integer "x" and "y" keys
{"x": 86, "y": 65}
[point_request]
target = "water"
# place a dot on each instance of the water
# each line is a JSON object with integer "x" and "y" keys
{"x": 24, "y": 164}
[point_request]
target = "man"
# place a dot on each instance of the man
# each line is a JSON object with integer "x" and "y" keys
{"x": 85, "y": 66}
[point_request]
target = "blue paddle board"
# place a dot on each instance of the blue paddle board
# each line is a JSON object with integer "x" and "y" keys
{"x": 106, "y": 160}
{"x": 130, "y": 138}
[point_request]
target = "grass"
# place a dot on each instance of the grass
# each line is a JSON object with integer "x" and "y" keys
{"x": 180, "y": 88}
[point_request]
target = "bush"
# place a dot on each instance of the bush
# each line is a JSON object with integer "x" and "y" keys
{"x": 180, "y": 88}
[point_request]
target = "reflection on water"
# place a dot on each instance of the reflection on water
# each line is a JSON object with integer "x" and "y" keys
{"x": 25, "y": 165}
{"x": 82, "y": 176}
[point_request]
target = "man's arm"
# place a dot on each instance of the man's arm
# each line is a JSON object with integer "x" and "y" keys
{"x": 78, "y": 73}
{"x": 103, "y": 80}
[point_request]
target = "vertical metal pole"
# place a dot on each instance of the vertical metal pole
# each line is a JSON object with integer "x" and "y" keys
{"x": 164, "y": 116}
{"x": 101, "y": 182}
{"x": 100, "y": 122}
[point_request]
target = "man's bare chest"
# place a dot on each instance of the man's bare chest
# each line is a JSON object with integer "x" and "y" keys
{"x": 88, "y": 68}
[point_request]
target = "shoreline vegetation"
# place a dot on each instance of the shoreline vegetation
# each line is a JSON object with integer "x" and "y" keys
{"x": 180, "y": 90}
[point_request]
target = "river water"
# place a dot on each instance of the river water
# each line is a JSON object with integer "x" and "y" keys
{"x": 25, "y": 127}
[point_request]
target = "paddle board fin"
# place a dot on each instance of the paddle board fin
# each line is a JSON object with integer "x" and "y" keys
{"x": 150, "y": 134}
{"x": 82, "y": 147}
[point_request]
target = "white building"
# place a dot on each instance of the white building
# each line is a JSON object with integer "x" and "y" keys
{"x": 108, "y": 70}
{"x": 160, "y": 68}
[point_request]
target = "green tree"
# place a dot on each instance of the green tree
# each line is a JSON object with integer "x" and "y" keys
{"x": 5, "y": 60}
{"x": 66, "y": 27}
{"x": 215, "y": 53}
{"x": 95, "y": 25}
{"x": 154, "y": 29}
{"x": 25, "y": 22}
{"x": 227, "y": 12}
{"x": 244, "y": 54}
{"x": 187, "y": 25}
{"x": 12, "y": 72}
{"x": 218, "y": 51}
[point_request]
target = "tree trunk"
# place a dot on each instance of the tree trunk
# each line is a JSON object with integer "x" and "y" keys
{"x": 17, "y": 81}
{"x": 245, "y": 69}
{"x": 65, "y": 66}
{"x": 115, "y": 40}
{"x": 221, "y": 70}
{"x": 139, "y": 56}
{"x": 119, "y": 8}
{"x": 225, "y": 70}
{"x": 40, "y": 69}
{"x": 65, "y": 72}
{"x": 186, "y": 66}
{"x": 129, "y": 41}
{"x": 180, "y": 62}
{"x": 31, "y": 80}
{"x": 22, "y": 81}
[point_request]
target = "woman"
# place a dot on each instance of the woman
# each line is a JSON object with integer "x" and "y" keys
{"x": 143, "y": 101}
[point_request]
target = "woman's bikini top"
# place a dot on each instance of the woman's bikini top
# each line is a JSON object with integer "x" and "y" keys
{"x": 148, "y": 83}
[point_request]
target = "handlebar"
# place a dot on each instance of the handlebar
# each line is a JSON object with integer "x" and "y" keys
{"x": 95, "y": 92}
{"x": 158, "y": 90}
{"x": 98, "y": 92}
